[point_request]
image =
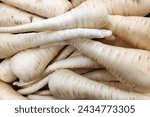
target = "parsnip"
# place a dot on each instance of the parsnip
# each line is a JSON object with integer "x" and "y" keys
{"x": 10, "y": 44}
{"x": 29, "y": 64}
{"x": 8, "y": 93}
{"x": 45, "y": 8}
{"x": 90, "y": 14}
{"x": 69, "y": 85}
{"x": 100, "y": 75}
{"x": 73, "y": 62}
{"x": 6, "y": 73}
{"x": 11, "y": 16}
{"x": 130, "y": 66}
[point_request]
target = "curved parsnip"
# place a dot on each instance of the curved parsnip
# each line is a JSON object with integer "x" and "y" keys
{"x": 34, "y": 87}
{"x": 45, "y": 8}
{"x": 101, "y": 75}
{"x": 6, "y": 73}
{"x": 11, "y": 16}
{"x": 73, "y": 62}
{"x": 90, "y": 14}
{"x": 69, "y": 85}
{"x": 29, "y": 64}
{"x": 10, "y": 44}
{"x": 130, "y": 66}
{"x": 8, "y": 93}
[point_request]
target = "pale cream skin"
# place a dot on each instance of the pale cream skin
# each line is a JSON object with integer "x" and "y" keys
{"x": 48, "y": 8}
{"x": 19, "y": 42}
{"x": 89, "y": 14}
{"x": 69, "y": 85}
{"x": 29, "y": 64}
{"x": 11, "y": 16}
{"x": 6, "y": 73}
{"x": 73, "y": 62}
{"x": 8, "y": 93}
{"x": 130, "y": 66}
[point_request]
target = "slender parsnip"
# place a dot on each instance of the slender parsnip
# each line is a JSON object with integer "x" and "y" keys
{"x": 73, "y": 62}
{"x": 90, "y": 14}
{"x": 69, "y": 85}
{"x": 10, "y": 44}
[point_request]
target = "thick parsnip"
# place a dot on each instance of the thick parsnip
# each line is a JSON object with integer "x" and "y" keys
{"x": 6, "y": 73}
{"x": 130, "y": 66}
{"x": 29, "y": 64}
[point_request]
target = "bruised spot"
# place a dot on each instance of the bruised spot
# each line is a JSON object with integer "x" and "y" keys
{"x": 31, "y": 19}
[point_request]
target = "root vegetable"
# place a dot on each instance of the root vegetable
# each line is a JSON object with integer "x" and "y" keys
{"x": 34, "y": 87}
{"x": 126, "y": 29}
{"x": 45, "y": 8}
{"x": 29, "y": 64}
{"x": 64, "y": 53}
{"x": 6, "y": 73}
{"x": 123, "y": 7}
{"x": 130, "y": 66}
{"x": 13, "y": 43}
{"x": 100, "y": 75}
{"x": 73, "y": 62}
{"x": 90, "y": 14}
{"x": 81, "y": 87}
{"x": 8, "y": 93}
{"x": 11, "y": 16}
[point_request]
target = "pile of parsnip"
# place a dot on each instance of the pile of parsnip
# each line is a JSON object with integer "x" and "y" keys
{"x": 74, "y": 49}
